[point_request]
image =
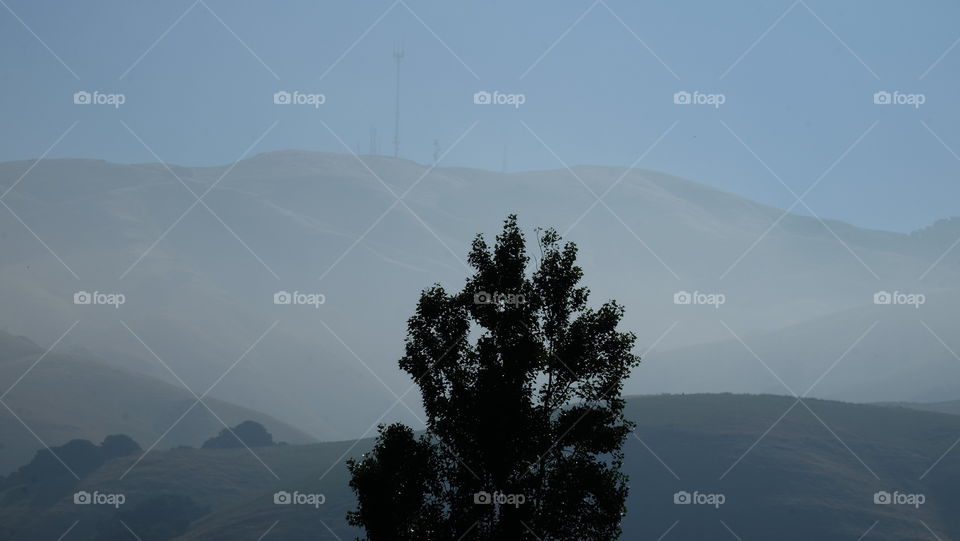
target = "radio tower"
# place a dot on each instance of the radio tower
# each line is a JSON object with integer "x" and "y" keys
{"x": 397, "y": 57}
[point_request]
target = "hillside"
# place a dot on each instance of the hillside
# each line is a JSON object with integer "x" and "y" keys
{"x": 798, "y": 483}
{"x": 64, "y": 397}
{"x": 199, "y": 285}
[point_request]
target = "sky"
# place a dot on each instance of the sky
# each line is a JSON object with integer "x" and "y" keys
{"x": 788, "y": 89}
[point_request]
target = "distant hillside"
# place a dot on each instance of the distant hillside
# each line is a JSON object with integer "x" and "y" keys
{"x": 65, "y": 397}
{"x": 201, "y": 292}
{"x": 798, "y": 483}
{"x": 952, "y": 406}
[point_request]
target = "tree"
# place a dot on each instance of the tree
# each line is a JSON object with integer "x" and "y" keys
{"x": 521, "y": 385}
{"x": 118, "y": 445}
{"x": 249, "y": 433}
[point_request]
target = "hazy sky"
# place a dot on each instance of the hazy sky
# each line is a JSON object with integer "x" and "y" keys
{"x": 598, "y": 79}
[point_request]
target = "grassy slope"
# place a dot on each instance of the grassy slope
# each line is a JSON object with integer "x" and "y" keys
{"x": 799, "y": 482}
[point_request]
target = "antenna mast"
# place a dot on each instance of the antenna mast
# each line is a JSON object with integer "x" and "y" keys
{"x": 397, "y": 57}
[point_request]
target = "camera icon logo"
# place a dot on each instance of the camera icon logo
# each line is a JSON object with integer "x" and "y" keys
{"x": 282, "y": 297}
{"x": 682, "y": 498}
{"x": 81, "y": 498}
{"x": 682, "y": 297}
{"x": 882, "y": 297}
{"x": 282, "y": 498}
{"x": 882, "y": 498}
{"x": 882, "y": 98}
{"x": 482, "y": 98}
{"x": 482, "y": 498}
{"x": 82, "y": 98}
{"x": 482, "y": 297}
{"x": 682, "y": 98}
{"x": 281, "y": 98}
{"x": 82, "y": 297}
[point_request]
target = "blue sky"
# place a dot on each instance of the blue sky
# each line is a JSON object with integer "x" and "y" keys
{"x": 798, "y": 80}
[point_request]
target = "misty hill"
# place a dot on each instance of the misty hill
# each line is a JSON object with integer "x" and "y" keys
{"x": 63, "y": 397}
{"x": 199, "y": 285}
{"x": 951, "y": 407}
{"x": 798, "y": 482}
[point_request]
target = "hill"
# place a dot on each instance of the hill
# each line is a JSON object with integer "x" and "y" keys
{"x": 801, "y": 481}
{"x": 65, "y": 397}
{"x": 199, "y": 280}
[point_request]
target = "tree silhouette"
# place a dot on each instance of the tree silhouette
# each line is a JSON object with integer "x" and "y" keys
{"x": 521, "y": 385}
